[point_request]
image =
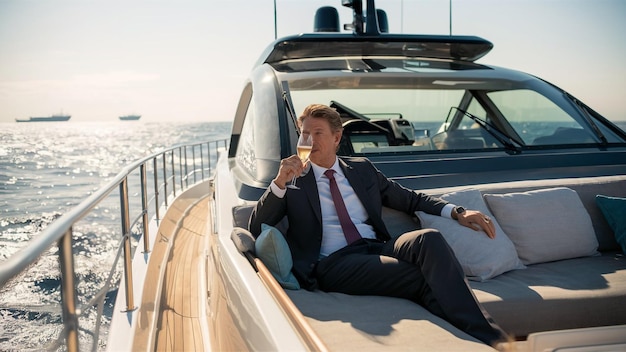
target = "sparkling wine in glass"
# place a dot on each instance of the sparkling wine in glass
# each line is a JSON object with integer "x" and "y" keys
{"x": 304, "y": 149}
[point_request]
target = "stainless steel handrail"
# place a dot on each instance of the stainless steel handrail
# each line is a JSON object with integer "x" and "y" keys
{"x": 60, "y": 232}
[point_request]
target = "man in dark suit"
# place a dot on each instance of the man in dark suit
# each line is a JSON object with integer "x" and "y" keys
{"x": 339, "y": 242}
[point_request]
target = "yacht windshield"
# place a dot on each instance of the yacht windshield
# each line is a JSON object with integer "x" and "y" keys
{"x": 433, "y": 115}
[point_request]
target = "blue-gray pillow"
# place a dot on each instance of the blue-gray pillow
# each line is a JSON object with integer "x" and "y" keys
{"x": 272, "y": 248}
{"x": 614, "y": 211}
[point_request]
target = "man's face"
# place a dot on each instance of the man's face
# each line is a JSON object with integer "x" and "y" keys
{"x": 325, "y": 141}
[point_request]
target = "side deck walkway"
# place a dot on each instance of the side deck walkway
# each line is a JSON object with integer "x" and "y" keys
{"x": 173, "y": 313}
{"x": 182, "y": 316}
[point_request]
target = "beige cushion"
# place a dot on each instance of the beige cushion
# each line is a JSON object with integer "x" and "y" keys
{"x": 377, "y": 323}
{"x": 545, "y": 225}
{"x": 481, "y": 257}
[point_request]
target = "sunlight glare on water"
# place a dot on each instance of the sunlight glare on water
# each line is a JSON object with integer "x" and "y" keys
{"x": 45, "y": 170}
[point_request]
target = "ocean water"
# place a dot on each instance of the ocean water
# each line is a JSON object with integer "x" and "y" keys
{"x": 48, "y": 168}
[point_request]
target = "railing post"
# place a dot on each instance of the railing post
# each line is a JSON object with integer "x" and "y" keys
{"x": 202, "y": 161}
{"x": 165, "y": 195}
{"x": 144, "y": 209}
{"x": 180, "y": 168}
{"x": 193, "y": 157}
{"x": 186, "y": 169}
{"x": 208, "y": 148}
{"x": 68, "y": 291}
{"x": 156, "y": 189}
{"x": 173, "y": 176}
{"x": 128, "y": 268}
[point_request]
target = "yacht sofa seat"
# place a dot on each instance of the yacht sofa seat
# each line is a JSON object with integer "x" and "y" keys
{"x": 565, "y": 294}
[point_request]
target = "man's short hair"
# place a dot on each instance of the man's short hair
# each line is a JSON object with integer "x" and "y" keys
{"x": 322, "y": 111}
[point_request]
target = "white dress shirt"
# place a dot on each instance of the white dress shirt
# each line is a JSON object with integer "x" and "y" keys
{"x": 333, "y": 238}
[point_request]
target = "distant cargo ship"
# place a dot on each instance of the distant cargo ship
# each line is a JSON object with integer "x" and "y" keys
{"x": 58, "y": 117}
{"x": 130, "y": 117}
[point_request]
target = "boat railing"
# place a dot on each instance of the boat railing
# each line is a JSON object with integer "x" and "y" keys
{"x": 156, "y": 177}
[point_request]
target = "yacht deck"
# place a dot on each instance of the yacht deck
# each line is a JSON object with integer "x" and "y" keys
{"x": 177, "y": 279}
{"x": 182, "y": 316}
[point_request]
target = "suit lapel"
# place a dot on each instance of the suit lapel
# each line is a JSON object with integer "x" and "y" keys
{"x": 309, "y": 186}
{"x": 356, "y": 181}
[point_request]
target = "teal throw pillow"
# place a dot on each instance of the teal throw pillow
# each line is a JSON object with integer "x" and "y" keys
{"x": 272, "y": 248}
{"x": 614, "y": 210}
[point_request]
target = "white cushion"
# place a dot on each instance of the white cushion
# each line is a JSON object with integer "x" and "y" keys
{"x": 480, "y": 256}
{"x": 545, "y": 225}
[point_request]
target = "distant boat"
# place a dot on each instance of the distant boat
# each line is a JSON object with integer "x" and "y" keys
{"x": 130, "y": 117}
{"x": 58, "y": 117}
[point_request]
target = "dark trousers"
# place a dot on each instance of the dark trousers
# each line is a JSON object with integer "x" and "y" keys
{"x": 419, "y": 266}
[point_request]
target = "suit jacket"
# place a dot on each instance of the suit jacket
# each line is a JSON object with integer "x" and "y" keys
{"x": 303, "y": 211}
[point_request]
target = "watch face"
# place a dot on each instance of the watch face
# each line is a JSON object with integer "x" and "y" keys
{"x": 459, "y": 210}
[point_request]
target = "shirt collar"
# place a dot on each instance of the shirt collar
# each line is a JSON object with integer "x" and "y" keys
{"x": 319, "y": 171}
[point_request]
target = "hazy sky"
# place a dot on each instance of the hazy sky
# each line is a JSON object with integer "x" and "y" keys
{"x": 187, "y": 60}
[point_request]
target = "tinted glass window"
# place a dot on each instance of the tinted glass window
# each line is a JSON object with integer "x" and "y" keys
{"x": 537, "y": 120}
{"x": 422, "y": 115}
{"x": 246, "y": 156}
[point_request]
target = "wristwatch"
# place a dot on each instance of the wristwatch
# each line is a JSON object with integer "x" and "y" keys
{"x": 458, "y": 210}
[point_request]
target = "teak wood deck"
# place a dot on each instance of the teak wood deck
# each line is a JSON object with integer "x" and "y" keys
{"x": 181, "y": 321}
{"x": 173, "y": 314}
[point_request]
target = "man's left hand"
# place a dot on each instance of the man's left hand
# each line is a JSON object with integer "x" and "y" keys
{"x": 477, "y": 221}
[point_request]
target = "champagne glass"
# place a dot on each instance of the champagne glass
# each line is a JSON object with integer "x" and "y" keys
{"x": 304, "y": 149}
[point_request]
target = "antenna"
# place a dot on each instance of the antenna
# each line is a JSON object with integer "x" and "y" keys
{"x": 370, "y": 21}
{"x": 450, "y": 13}
{"x": 275, "y": 26}
{"x": 401, "y": 16}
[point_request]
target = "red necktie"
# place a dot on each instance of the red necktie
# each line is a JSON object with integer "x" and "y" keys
{"x": 349, "y": 230}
